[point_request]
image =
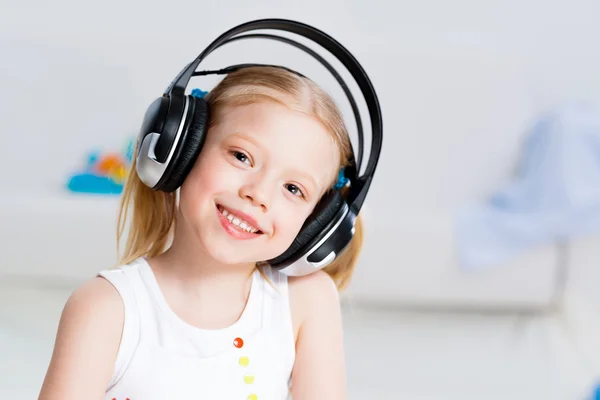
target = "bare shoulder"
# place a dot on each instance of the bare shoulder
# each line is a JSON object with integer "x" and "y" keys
{"x": 312, "y": 296}
{"x": 86, "y": 344}
{"x": 314, "y": 288}
{"x": 97, "y": 293}
{"x": 319, "y": 368}
{"x": 95, "y": 305}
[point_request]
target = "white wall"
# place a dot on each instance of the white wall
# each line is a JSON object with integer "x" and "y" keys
{"x": 459, "y": 83}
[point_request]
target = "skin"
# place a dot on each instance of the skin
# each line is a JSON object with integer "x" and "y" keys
{"x": 270, "y": 162}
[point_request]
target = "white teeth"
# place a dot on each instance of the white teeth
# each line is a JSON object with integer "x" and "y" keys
{"x": 238, "y": 222}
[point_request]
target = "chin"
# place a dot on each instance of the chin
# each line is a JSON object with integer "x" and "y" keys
{"x": 229, "y": 253}
{"x": 238, "y": 253}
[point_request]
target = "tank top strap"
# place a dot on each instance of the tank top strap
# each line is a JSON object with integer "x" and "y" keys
{"x": 277, "y": 283}
{"x": 121, "y": 280}
{"x": 276, "y": 308}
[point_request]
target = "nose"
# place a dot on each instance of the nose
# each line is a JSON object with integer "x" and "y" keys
{"x": 257, "y": 192}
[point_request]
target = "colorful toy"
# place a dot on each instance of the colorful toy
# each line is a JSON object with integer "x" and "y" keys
{"x": 199, "y": 93}
{"x": 104, "y": 173}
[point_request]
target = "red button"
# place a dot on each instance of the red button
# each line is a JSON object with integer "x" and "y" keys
{"x": 238, "y": 342}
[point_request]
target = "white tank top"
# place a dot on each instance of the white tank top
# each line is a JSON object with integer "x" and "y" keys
{"x": 163, "y": 357}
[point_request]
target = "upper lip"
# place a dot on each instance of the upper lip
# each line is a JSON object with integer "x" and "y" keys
{"x": 244, "y": 216}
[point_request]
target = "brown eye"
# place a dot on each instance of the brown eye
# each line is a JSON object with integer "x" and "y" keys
{"x": 241, "y": 156}
{"x": 295, "y": 190}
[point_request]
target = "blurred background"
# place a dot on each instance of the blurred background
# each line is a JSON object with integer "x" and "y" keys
{"x": 479, "y": 275}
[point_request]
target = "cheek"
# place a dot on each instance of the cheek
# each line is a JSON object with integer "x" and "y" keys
{"x": 207, "y": 178}
{"x": 290, "y": 221}
{"x": 209, "y": 174}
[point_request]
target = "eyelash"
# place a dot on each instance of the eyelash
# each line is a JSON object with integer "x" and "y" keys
{"x": 236, "y": 154}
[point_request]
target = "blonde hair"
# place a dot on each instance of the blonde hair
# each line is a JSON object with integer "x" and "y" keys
{"x": 153, "y": 213}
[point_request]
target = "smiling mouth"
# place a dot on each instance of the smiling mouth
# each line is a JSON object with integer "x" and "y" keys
{"x": 238, "y": 222}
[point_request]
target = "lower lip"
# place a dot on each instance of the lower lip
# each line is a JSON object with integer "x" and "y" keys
{"x": 232, "y": 230}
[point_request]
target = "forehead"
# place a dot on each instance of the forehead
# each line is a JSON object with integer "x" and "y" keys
{"x": 288, "y": 139}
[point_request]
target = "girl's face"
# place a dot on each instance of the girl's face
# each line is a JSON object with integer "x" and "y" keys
{"x": 262, "y": 170}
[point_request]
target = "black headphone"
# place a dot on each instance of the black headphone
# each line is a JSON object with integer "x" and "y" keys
{"x": 175, "y": 126}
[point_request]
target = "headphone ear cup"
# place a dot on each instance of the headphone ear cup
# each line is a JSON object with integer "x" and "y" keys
{"x": 314, "y": 226}
{"x": 189, "y": 148}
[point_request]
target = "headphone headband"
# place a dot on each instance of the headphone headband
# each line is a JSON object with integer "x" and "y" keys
{"x": 359, "y": 188}
{"x": 359, "y": 127}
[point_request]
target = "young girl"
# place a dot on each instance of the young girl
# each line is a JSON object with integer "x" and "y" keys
{"x": 188, "y": 314}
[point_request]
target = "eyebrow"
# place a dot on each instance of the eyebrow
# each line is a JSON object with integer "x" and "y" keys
{"x": 307, "y": 177}
{"x": 244, "y": 136}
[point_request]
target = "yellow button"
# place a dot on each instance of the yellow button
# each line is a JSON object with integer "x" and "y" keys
{"x": 253, "y": 397}
{"x": 249, "y": 379}
{"x": 244, "y": 361}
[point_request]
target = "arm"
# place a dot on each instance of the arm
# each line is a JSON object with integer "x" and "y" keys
{"x": 86, "y": 345}
{"x": 319, "y": 371}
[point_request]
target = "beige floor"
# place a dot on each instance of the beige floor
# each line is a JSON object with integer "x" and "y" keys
{"x": 390, "y": 354}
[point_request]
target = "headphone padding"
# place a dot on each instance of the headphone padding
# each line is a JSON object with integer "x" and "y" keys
{"x": 191, "y": 146}
{"x": 327, "y": 208}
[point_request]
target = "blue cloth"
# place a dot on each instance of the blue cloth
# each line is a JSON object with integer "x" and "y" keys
{"x": 554, "y": 196}
{"x": 595, "y": 395}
